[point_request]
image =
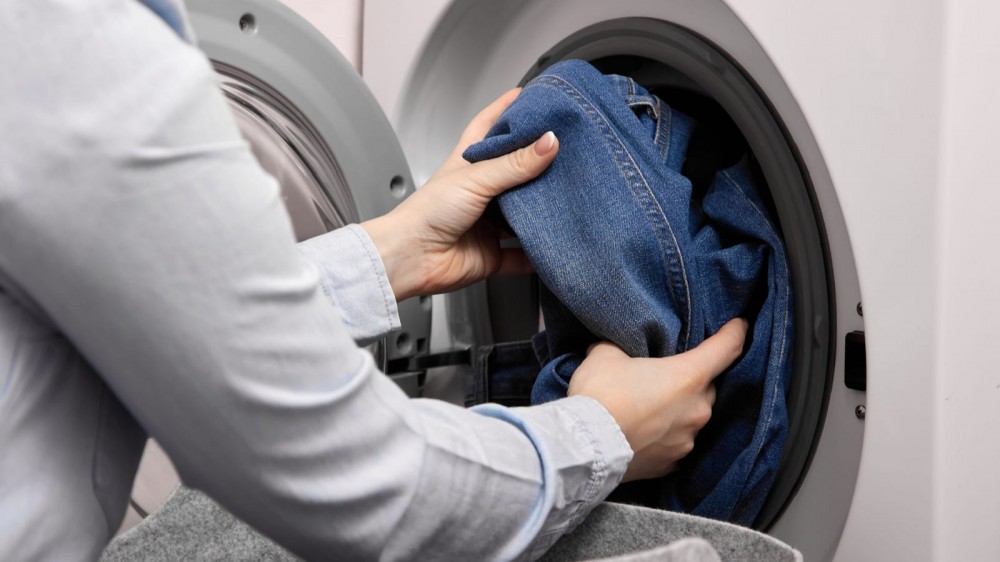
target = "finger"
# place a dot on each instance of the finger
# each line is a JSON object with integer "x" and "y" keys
{"x": 710, "y": 394}
{"x": 718, "y": 352}
{"x": 513, "y": 261}
{"x": 493, "y": 177}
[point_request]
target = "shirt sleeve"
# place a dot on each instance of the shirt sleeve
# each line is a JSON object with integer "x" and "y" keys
{"x": 133, "y": 214}
{"x": 353, "y": 279}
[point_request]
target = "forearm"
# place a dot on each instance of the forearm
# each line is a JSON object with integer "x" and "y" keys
{"x": 428, "y": 480}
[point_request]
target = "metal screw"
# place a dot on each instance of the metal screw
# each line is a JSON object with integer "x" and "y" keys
{"x": 248, "y": 24}
{"x": 860, "y": 310}
{"x": 859, "y": 411}
{"x": 397, "y": 186}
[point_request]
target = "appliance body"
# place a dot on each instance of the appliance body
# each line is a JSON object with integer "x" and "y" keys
{"x": 887, "y": 107}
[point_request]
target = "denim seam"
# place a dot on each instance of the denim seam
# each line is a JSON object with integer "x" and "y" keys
{"x": 640, "y": 189}
{"x": 654, "y": 105}
{"x": 757, "y": 442}
{"x": 770, "y": 229}
{"x": 663, "y": 124}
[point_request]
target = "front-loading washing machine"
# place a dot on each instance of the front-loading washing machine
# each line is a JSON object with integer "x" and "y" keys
{"x": 868, "y": 120}
{"x": 844, "y": 106}
{"x": 473, "y": 49}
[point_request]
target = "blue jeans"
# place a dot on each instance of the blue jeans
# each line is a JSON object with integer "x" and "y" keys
{"x": 503, "y": 374}
{"x": 629, "y": 251}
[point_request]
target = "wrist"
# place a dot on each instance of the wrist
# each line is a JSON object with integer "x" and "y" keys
{"x": 392, "y": 249}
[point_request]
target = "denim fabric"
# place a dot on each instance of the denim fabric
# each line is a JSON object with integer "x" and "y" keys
{"x": 504, "y": 374}
{"x": 629, "y": 251}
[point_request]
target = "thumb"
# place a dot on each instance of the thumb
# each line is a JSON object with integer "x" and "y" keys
{"x": 717, "y": 353}
{"x": 493, "y": 177}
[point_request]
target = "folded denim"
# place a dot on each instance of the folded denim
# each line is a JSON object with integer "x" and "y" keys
{"x": 503, "y": 374}
{"x": 628, "y": 251}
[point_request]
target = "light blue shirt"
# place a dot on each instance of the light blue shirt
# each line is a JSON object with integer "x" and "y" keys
{"x": 150, "y": 283}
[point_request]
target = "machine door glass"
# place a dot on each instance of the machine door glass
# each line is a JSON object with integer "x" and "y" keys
{"x": 289, "y": 149}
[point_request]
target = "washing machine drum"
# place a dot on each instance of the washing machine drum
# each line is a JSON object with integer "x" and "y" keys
{"x": 288, "y": 147}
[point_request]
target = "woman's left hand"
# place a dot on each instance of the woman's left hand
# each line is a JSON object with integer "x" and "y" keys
{"x": 436, "y": 241}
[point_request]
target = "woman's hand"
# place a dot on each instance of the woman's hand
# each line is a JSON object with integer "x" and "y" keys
{"x": 435, "y": 241}
{"x": 660, "y": 404}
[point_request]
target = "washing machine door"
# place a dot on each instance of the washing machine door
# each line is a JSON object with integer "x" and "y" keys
{"x": 314, "y": 126}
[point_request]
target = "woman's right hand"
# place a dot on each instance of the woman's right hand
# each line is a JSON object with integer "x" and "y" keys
{"x": 660, "y": 404}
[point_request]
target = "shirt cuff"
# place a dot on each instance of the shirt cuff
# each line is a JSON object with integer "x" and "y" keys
{"x": 583, "y": 454}
{"x": 353, "y": 279}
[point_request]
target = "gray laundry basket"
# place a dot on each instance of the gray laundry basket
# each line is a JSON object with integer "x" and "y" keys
{"x": 190, "y": 526}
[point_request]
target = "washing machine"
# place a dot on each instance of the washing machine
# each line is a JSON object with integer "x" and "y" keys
{"x": 871, "y": 123}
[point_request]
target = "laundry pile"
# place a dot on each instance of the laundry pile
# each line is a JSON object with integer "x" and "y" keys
{"x": 632, "y": 247}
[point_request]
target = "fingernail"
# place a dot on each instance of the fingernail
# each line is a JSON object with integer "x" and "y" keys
{"x": 545, "y": 143}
